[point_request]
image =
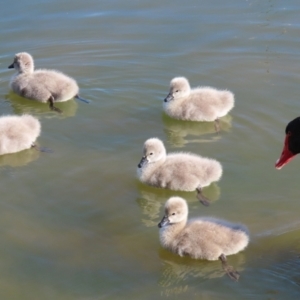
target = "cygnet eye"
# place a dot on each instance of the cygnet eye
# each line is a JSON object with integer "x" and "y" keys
{"x": 151, "y": 153}
{"x": 173, "y": 214}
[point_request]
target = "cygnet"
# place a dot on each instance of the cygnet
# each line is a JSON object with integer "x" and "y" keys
{"x": 201, "y": 238}
{"x": 41, "y": 85}
{"x": 177, "y": 171}
{"x": 18, "y": 133}
{"x": 198, "y": 104}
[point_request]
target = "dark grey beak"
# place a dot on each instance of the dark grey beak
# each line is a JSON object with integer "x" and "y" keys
{"x": 165, "y": 221}
{"x": 11, "y": 66}
{"x": 169, "y": 98}
{"x": 143, "y": 162}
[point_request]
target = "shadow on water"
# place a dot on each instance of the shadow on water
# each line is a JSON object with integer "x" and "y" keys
{"x": 178, "y": 272}
{"x": 19, "y": 159}
{"x": 22, "y": 105}
{"x": 179, "y": 133}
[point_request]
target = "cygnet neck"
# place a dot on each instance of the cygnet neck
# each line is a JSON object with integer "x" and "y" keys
{"x": 177, "y": 227}
{"x": 27, "y": 70}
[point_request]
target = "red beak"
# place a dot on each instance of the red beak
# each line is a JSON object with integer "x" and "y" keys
{"x": 286, "y": 154}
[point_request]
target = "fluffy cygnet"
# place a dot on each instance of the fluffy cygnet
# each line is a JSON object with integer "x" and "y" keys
{"x": 177, "y": 171}
{"x": 201, "y": 238}
{"x": 198, "y": 104}
{"x": 41, "y": 85}
{"x": 18, "y": 133}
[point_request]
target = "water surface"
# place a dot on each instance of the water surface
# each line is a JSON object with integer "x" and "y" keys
{"x": 75, "y": 223}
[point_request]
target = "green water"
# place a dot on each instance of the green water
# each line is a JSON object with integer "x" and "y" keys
{"x": 76, "y": 223}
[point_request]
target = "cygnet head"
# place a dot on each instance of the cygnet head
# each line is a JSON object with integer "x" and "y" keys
{"x": 23, "y": 63}
{"x": 154, "y": 150}
{"x": 176, "y": 211}
{"x": 179, "y": 87}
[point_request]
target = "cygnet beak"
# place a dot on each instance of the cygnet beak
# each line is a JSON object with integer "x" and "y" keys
{"x": 143, "y": 162}
{"x": 165, "y": 221}
{"x": 169, "y": 98}
{"x": 11, "y": 66}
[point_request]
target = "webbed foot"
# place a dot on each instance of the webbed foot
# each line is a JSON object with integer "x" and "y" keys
{"x": 217, "y": 125}
{"x": 41, "y": 149}
{"x": 51, "y": 105}
{"x": 205, "y": 201}
{"x": 230, "y": 271}
{"x": 82, "y": 99}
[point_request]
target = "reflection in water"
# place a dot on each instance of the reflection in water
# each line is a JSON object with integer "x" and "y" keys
{"x": 19, "y": 159}
{"x": 178, "y": 132}
{"x": 176, "y": 271}
{"x": 152, "y": 199}
{"x": 70, "y": 228}
{"x": 22, "y": 105}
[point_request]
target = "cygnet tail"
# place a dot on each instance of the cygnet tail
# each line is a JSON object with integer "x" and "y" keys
{"x": 227, "y": 102}
{"x": 32, "y": 123}
{"x": 82, "y": 99}
{"x": 215, "y": 170}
